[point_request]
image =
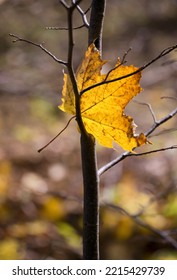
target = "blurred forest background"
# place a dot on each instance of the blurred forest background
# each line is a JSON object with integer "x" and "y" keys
{"x": 41, "y": 194}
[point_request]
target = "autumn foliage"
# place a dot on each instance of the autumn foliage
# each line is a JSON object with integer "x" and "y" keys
{"x": 103, "y": 102}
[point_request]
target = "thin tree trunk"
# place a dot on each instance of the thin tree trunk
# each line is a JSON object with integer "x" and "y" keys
{"x": 88, "y": 154}
{"x": 91, "y": 199}
{"x": 96, "y": 23}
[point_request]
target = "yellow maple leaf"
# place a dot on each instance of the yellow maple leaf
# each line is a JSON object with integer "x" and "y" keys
{"x": 102, "y": 107}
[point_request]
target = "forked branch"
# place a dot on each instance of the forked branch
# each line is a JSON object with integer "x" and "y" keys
{"x": 156, "y": 124}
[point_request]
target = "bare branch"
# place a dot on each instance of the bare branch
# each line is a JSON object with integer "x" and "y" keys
{"x": 71, "y": 73}
{"x": 75, "y": 4}
{"x": 150, "y": 109}
{"x": 163, "y": 53}
{"x": 89, "y": 8}
{"x": 64, "y": 28}
{"x": 169, "y": 97}
{"x": 125, "y": 55}
{"x": 83, "y": 14}
{"x": 153, "y": 151}
{"x": 163, "y": 234}
{"x": 45, "y": 146}
{"x": 161, "y": 121}
{"x": 109, "y": 165}
{"x": 63, "y": 2}
{"x": 123, "y": 61}
{"x": 17, "y": 39}
{"x": 165, "y": 131}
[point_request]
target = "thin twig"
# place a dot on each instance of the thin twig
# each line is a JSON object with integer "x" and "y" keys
{"x": 64, "y": 28}
{"x": 109, "y": 165}
{"x": 83, "y": 14}
{"x": 70, "y": 10}
{"x": 163, "y": 234}
{"x": 17, "y": 38}
{"x": 150, "y": 108}
{"x": 123, "y": 61}
{"x": 161, "y": 121}
{"x": 75, "y": 4}
{"x": 71, "y": 73}
{"x": 41, "y": 149}
{"x": 117, "y": 66}
{"x": 153, "y": 151}
{"x": 65, "y": 5}
{"x": 165, "y": 131}
{"x": 89, "y": 8}
{"x": 163, "y": 53}
{"x": 169, "y": 97}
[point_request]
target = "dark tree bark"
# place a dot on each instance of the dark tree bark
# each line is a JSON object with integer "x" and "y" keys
{"x": 89, "y": 162}
{"x": 91, "y": 199}
{"x": 96, "y": 23}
